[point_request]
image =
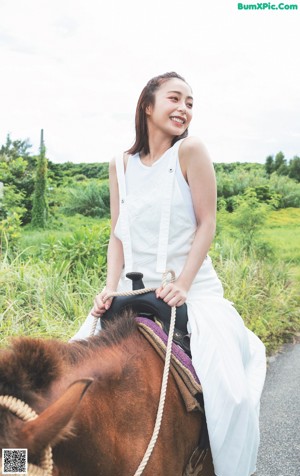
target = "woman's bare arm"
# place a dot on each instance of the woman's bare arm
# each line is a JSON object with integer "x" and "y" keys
{"x": 199, "y": 172}
{"x": 115, "y": 257}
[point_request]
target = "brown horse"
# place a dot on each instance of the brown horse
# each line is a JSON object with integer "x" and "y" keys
{"x": 107, "y": 432}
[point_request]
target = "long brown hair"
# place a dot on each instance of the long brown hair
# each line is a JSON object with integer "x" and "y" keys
{"x": 146, "y": 98}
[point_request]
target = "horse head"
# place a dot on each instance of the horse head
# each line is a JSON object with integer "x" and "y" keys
{"x": 27, "y": 370}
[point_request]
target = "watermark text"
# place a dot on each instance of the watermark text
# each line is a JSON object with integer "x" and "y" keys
{"x": 267, "y": 6}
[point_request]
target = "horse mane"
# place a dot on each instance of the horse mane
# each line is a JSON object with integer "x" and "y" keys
{"x": 115, "y": 334}
{"x": 30, "y": 365}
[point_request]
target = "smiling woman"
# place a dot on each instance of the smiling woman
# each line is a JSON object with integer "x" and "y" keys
{"x": 170, "y": 113}
{"x": 162, "y": 86}
{"x": 163, "y": 212}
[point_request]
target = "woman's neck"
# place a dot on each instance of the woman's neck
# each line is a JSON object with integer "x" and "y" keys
{"x": 157, "y": 147}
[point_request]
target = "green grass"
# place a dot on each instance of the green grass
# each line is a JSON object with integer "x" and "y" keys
{"x": 62, "y": 227}
{"x": 48, "y": 288}
{"x": 263, "y": 283}
{"x": 44, "y": 299}
{"x": 264, "y": 295}
{"x": 283, "y": 234}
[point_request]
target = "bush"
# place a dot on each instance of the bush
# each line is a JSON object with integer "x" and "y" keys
{"x": 11, "y": 213}
{"x": 84, "y": 248}
{"x": 9, "y": 235}
{"x": 234, "y": 179}
{"x": 245, "y": 224}
{"x": 288, "y": 190}
{"x": 237, "y": 179}
{"x": 88, "y": 199}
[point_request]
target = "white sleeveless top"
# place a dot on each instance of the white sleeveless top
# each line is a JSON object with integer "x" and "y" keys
{"x": 157, "y": 224}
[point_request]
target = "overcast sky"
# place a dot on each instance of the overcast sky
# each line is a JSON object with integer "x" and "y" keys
{"x": 76, "y": 68}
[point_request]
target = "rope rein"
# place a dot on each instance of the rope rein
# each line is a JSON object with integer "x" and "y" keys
{"x": 166, "y": 371}
{"x": 115, "y": 294}
{"x": 25, "y": 413}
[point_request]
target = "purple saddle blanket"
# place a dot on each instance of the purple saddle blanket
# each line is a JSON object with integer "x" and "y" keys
{"x": 181, "y": 365}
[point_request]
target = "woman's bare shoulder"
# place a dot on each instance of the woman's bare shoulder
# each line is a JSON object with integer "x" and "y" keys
{"x": 112, "y": 162}
{"x": 192, "y": 144}
{"x": 192, "y": 149}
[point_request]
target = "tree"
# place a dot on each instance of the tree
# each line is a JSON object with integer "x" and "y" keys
{"x": 39, "y": 203}
{"x": 16, "y": 171}
{"x": 14, "y": 149}
{"x": 269, "y": 165}
{"x": 280, "y": 164}
{"x": 294, "y": 168}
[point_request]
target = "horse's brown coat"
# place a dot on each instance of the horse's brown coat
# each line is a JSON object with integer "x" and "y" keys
{"x": 108, "y": 432}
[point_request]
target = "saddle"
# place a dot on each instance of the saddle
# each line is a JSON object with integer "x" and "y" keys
{"x": 147, "y": 305}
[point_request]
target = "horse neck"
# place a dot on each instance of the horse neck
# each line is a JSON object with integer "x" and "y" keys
{"x": 119, "y": 407}
{"x": 103, "y": 363}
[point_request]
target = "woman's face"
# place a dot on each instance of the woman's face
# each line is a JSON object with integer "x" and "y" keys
{"x": 172, "y": 108}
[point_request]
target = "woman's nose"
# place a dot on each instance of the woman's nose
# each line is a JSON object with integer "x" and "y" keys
{"x": 181, "y": 107}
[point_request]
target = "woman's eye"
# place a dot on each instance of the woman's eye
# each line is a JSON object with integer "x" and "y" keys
{"x": 190, "y": 105}
{"x": 174, "y": 98}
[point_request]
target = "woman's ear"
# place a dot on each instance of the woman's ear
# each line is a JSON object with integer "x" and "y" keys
{"x": 148, "y": 110}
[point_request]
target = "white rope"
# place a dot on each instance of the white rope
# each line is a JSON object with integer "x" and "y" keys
{"x": 19, "y": 408}
{"x": 163, "y": 392}
{"x": 164, "y": 383}
{"x": 115, "y": 294}
{"x": 25, "y": 413}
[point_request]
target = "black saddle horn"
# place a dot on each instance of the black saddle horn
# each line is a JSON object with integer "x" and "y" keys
{"x": 137, "y": 280}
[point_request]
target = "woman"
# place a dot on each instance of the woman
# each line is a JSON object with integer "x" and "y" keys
{"x": 163, "y": 212}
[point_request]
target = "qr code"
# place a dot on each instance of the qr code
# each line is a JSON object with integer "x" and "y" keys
{"x": 14, "y": 461}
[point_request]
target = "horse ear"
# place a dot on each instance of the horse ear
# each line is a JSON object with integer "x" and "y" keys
{"x": 52, "y": 424}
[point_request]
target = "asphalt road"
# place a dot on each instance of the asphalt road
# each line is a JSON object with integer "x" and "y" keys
{"x": 279, "y": 453}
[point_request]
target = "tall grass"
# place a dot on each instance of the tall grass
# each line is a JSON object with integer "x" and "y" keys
{"x": 262, "y": 291}
{"x": 256, "y": 253}
{"x": 44, "y": 299}
{"x": 48, "y": 288}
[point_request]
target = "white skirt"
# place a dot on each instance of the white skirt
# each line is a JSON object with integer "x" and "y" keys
{"x": 231, "y": 365}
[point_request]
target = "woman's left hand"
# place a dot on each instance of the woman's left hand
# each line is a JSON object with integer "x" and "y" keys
{"x": 173, "y": 294}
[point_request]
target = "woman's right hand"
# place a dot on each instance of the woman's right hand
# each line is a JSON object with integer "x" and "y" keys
{"x": 102, "y": 303}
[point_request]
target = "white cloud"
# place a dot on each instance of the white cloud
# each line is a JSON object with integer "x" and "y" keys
{"x": 76, "y": 68}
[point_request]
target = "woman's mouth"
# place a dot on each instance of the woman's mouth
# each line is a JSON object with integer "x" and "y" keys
{"x": 178, "y": 120}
